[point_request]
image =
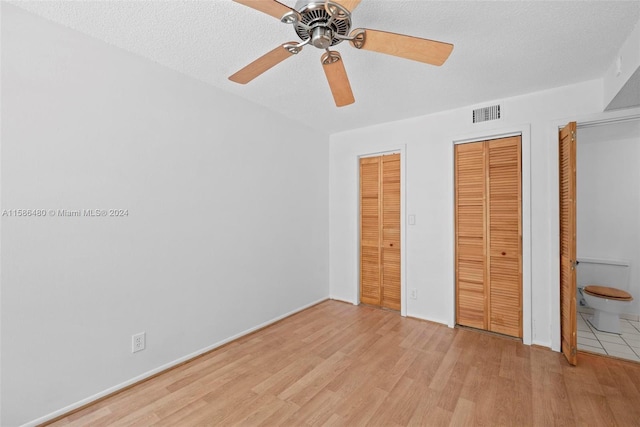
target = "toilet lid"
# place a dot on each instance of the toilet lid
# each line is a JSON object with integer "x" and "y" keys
{"x": 605, "y": 292}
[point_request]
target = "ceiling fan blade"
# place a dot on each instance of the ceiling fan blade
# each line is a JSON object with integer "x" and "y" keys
{"x": 337, "y": 78}
{"x": 270, "y": 7}
{"x": 261, "y": 65}
{"x": 348, "y": 4}
{"x": 409, "y": 47}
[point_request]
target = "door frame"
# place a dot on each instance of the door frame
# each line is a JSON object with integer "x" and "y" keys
{"x": 403, "y": 226}
{"x": 524, "y": 131}
{"x": 554, "y": 205}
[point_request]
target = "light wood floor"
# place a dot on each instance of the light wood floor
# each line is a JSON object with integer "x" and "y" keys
{"x": 337, "y": 364}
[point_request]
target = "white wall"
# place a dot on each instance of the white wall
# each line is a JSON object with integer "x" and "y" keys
{"x": 608, "y": 198}
{"x": 429, "y": 196}
{"x": 227, "y": 225}
{"x": 620, "y": 71}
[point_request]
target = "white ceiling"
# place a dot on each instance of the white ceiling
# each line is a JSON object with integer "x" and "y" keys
{"x": 501, "y": 49}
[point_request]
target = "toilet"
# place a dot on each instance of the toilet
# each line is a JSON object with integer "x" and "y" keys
{"x": 608, "y": 304}
{"x": 600, "y": 283}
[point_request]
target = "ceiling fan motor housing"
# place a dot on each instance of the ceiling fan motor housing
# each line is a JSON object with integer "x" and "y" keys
{"x": 317, "y": 24}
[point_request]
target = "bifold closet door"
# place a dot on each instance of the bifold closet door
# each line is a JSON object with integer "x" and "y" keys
{"x": 488, "y": 235}
{"x": 504, "y": 231}
{"x": 470, "y": 235}
{"x": 380, "y": 231}
{"x": 567, "y": 172}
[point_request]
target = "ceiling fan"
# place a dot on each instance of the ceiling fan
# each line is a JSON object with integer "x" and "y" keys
{"x": 323, "y": 24}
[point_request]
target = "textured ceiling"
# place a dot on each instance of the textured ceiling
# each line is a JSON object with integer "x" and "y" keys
{"x": 501, "y": 49}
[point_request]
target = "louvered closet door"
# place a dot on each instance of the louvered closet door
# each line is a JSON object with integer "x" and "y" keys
{"x": 504, "y": 236}
{"x": 391, "y": 231}
{"x": 488, "y": 235}
{"x": 380, "y": 231}
{"x": 470, "y": 231}
{"x": 370, "y": 251}
{"x": 568, "y": 326}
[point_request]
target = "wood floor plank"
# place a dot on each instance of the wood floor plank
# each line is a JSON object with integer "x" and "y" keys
{"x": 341, "y": 365}
{"x": 356, "y": 409}
{"x": 427, "y": 413}
{"x": 463, "y": 415}
{"x": 317, "y": 411}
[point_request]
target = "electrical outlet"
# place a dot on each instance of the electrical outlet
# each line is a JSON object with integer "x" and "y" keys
{"x": 414, "y": 294}
{"x": 138, "y": 342}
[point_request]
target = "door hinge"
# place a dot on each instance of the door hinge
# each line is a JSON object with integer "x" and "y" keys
{"x": 574, "y": 351}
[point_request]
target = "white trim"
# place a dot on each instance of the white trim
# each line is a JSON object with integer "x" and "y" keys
{"x": 403, "y": 231}
{"x": 524, "y": 131}
{"x": 527, "y": 254}
{"x": 554, "y": 208}
{"x": 378, "y": 154}
{"x": 485, "y": 138}
{"x": 610, "y": 121}
{"x": 452, "y": 155}
{"x": 428, "y": 319}
{"x": 162, "y": 368}
{"x": 546, "y": 344}
{"x": 342, "y": 300}
{"x": 402, "y": 150}
{"x": 603, "y": 122}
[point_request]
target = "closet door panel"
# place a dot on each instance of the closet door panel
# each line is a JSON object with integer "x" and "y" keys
{"x": 470, "y": 231}
{"x": 504, "y": 236}
{"x": 391, "y": 231}
{"x": 370, "y": 278}
{"x": 568, "y": 326}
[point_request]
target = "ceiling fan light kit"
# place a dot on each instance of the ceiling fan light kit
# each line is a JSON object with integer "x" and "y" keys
{"x": 323, "y": 24}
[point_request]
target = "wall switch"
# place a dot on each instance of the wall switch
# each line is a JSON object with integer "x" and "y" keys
{"x": 138, "y": 342}
{"x": 412, "y": 220}
{"x": 413, "y": 294}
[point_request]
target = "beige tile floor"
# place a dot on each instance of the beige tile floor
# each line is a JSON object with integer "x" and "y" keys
{"x": 625, "y": 345}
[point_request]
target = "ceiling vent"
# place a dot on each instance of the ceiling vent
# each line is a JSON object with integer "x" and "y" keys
{"x": 485, "y": 114}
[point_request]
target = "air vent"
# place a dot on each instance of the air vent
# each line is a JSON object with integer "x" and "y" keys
{"x": 485, "y": 114}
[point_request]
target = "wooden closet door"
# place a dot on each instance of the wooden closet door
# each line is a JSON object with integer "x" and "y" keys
{"x": 391, "y": 231}
{"x": 568, "y": 321}
{"x": 488, "y": 235}
{"x": 370, "y": 236}
{"x": 504, "y": 233}
{"x": 470, "y": 232}
{"x": 380, "y": 231}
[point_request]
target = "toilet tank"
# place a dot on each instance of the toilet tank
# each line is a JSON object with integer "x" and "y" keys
{"x": 612, "y": 273}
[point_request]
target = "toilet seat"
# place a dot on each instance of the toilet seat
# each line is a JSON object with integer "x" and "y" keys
{"x": 609, "y": 293}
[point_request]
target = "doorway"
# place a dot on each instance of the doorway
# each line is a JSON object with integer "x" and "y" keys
{"x": 602, "y": 245}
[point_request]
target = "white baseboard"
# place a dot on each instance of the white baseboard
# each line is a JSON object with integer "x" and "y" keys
{"x": 343, "y": 300}
{"x": 428, "y": 319}
{"x": 626, "y": 316}
{"x": 546, "y": 344}
{"x": 164, "y": 367}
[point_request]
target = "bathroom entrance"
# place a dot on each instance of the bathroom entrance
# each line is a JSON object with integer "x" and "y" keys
{"x": 599, "y": 175}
